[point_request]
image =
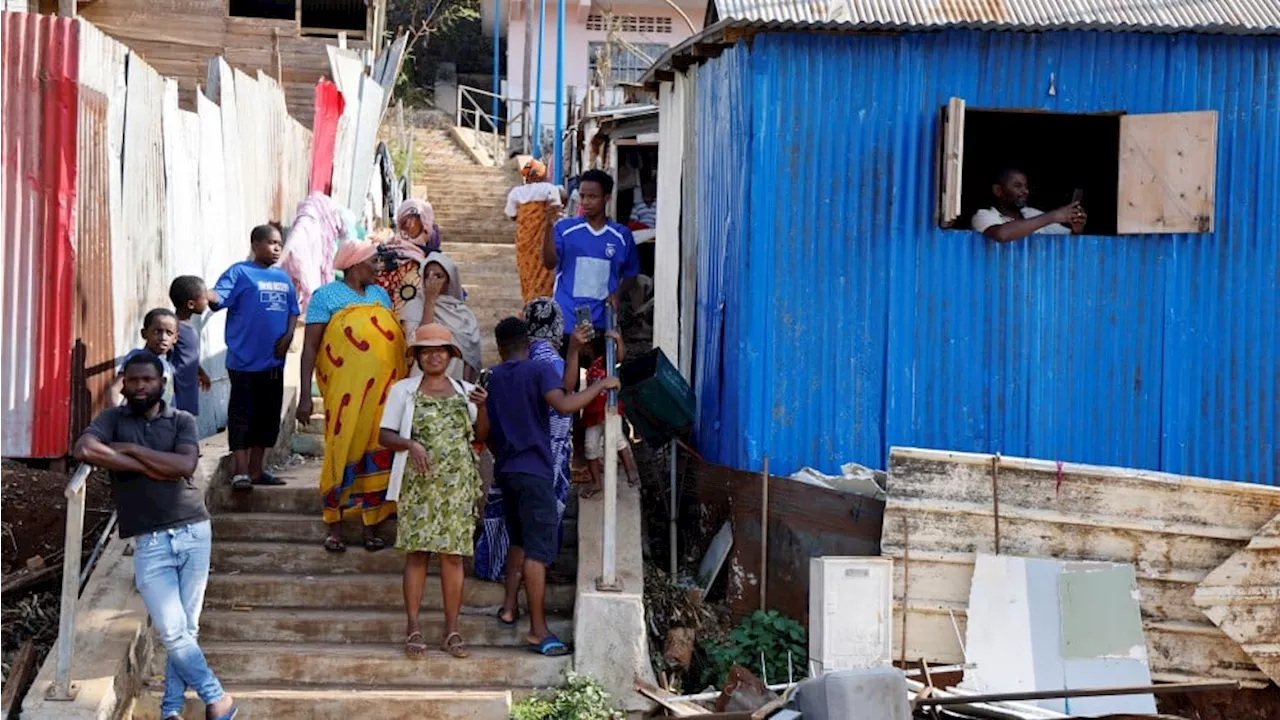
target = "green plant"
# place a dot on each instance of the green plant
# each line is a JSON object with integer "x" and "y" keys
{"x": 763, "y": 634}
{"x": 581, "y": 698}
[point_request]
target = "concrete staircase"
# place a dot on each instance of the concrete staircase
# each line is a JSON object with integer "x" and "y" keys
{"x": 295, "y": 632}
{"x": 469, "y": 201}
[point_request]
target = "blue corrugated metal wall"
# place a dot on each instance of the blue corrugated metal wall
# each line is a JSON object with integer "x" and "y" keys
{"x": 835, "y": 320}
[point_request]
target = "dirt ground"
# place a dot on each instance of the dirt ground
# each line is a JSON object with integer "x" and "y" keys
{"x": 1241, "y": 705}
{"x": 34, "y": 524}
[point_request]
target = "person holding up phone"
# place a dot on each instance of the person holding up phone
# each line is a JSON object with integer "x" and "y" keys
{"x": 594, "y": 258}
{"x": 1011, "y": 219}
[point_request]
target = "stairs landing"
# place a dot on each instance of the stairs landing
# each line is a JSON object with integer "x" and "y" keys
{"x": 295, "y": 632}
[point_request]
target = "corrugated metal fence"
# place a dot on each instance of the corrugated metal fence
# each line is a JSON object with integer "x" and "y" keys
{"x": 110, "y": 191}
{"x": 835, "y": 319}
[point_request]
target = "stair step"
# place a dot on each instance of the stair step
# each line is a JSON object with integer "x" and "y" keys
{"x": 343, "y": 702}
{"x": 383, "y": 665}
{"x": 325, "y": 625}
{"x": 352, "y": 591}
{"x": 292, "y": 528}
{"x": 310, "y": 558}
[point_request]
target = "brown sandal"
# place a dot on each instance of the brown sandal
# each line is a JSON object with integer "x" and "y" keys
{"x": 415, "y": 648}
{"x": 455, "y": 646}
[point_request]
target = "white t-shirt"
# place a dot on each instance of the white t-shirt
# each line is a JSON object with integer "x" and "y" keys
{"x": 542, "y": 192}
{"x": 990, "y": 217}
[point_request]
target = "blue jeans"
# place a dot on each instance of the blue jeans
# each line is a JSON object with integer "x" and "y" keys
{"x": 171, "y": 570}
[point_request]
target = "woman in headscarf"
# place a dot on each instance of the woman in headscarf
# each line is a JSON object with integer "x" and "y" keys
{"x": 534, "y": 206}
{"x": 356, "y": 348}
{"x": 416, "y": 238}
{"x": 442, "y": 301}
{"x": 546, "y": 333}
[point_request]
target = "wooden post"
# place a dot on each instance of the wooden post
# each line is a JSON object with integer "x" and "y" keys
{"x": 764, "y": 533}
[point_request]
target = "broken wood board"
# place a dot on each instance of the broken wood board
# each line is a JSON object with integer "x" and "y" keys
{"x": 1173, "y": 529}
{"x": 1242, "y": 596}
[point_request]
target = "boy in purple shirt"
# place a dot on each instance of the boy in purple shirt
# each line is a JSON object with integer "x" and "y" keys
{"x": 520, "y": 391}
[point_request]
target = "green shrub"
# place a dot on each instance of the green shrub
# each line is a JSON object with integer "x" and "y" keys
{"x": 581, "y": 698}
{"x": 767, "y": 633}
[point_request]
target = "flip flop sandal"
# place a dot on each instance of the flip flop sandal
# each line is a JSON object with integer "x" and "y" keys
{"x": 589, "y": 492}
{"x": 549, "y": 647}
{"x": 374, "y": 543}
{"x": 268, "y": 479}
{"x": 415, "y": 649}
{"x": 231, "y": 715}
{"x": 241, "y": 483}
{"x": 455, "y": 646}
{"x": 334, "y": 545}
{"x": 515, "y": 617}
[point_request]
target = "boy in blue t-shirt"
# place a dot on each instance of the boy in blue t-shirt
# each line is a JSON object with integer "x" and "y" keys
{"x": 159, "y": 330}
{"x": 520, "y": 392}
{"x": 595, "y": 258}
{"x": 189, "y": 297}
{"x": 262, "y": 314}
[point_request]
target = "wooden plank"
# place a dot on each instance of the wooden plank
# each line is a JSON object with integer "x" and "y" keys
{"x": 952, "y": 162}
{"x": 1168, "y": 166}
{"x": 366, "y": 141}
{"x": 1242, "y": 596}
{"x": 21, "y": 672}
{"x": 1173, "y": 529}
{"x": 685, "y": 88}
{"x": 666, "y": 271}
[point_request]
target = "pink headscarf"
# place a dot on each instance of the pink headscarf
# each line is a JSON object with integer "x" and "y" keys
{"x": 426, "y": 215}
{"x": 352, "y": 253}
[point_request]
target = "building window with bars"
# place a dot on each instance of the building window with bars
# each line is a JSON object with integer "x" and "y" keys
{"x": 624, "y": 63}
{"x": 651, "y": 24}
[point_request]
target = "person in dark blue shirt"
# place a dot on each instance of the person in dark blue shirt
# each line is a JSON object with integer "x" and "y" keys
{"x": 594, "y": 258}
{"x": 520, "y": 392}
{"x": 262, "y": 314}
{"x": 190, "y": 298}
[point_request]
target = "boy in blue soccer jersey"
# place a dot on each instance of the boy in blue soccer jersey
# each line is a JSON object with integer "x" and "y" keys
{"x": 594, "y": 258}
{"x": 262, "y": 314}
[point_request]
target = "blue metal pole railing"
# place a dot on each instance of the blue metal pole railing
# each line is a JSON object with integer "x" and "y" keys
{"x": 558, "y": 139}
{"x": 537, "y": 108}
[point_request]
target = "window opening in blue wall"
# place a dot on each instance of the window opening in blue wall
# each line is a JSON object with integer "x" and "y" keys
{"x": 1134, "y": 173}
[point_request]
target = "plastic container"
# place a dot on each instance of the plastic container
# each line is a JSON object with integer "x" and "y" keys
{"x": 657, "y": 400}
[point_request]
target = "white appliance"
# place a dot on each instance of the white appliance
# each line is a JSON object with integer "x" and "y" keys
{"x": 850, "y": 613}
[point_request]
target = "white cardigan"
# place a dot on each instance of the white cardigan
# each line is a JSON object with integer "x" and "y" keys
{"x": 397, "y": 415}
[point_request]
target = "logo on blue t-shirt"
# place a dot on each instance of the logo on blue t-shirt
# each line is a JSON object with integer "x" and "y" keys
{"x": 274, "y": 296}
{"x": 610, "y": 250}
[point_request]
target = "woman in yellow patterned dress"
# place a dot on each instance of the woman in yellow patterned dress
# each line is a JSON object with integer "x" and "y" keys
{"x": 534, "y": 206}
{"x": 356, "y": 348}
{"x": 430, "y": 423}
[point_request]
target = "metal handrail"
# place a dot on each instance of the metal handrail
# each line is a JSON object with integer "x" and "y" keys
{"x": 470, "y": 111}
{"x": 63, "y": 688}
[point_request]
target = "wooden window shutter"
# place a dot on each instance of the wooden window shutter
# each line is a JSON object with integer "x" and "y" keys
{"x": 1168, "y": 164}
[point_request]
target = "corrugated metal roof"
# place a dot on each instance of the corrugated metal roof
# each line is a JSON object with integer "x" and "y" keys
{"x": 835, "y": 319}
{"x": 1174, "y": 530}
{"x": 1239, "y": 16}
{"x": 40, "y": 74}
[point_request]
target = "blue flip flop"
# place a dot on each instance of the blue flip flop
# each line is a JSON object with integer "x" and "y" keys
{"x": 549, "y": 647}
{"x": 230, "y": 715}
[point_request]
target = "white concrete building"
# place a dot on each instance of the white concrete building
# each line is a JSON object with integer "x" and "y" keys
{"x": 642, "y": 31}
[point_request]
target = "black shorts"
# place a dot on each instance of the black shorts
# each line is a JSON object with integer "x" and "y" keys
{"x": 253, "y": 414}
{"x": 533, "y": 521}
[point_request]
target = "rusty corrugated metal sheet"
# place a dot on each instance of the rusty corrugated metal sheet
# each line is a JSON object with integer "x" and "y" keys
{"x": 98, "y": 155}
{"x": 1175, "y": 530}
{"x": 1242, "y": 596}
{"x": 835, "y": 318}
{"x": 1236, "y": 16}
{"x": 40, "y": 72}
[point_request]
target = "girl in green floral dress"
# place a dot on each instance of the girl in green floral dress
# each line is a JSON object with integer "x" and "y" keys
{"x": 431, "y": 422}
